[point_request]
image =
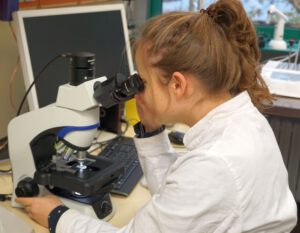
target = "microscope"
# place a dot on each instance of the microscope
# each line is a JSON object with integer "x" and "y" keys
{"x": 48, "y": 147}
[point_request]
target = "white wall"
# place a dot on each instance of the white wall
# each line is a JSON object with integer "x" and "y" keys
{"x": 8, "y": 59}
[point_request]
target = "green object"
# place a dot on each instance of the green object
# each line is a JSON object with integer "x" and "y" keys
{"x": 154, "y": 8}
{"x": 267, "y": 31}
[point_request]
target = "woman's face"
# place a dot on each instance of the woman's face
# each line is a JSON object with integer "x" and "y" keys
{"x": 155, "y": 95}
{"x": 180, "y": 99}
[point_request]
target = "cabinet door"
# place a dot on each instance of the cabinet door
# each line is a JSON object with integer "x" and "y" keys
{"x": 29, "y": 4}
{"x": 57, "y": 2}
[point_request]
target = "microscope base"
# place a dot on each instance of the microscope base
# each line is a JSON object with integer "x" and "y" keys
{"x": 88, "y": 209}
{"x": 101, "y": 207}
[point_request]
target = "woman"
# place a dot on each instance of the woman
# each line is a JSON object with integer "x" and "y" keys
{"x": 200, "y": 69}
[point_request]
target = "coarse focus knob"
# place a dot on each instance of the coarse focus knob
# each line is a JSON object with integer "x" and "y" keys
{"x": 27, "y": 187}
{"x": 106, "y": 208}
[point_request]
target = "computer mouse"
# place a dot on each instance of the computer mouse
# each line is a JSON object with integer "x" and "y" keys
{"x": 176, "y": 137}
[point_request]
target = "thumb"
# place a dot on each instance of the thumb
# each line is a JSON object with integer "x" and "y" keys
{"x": 24, "y": 200}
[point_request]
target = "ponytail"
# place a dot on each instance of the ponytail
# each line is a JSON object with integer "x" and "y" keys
{"x": 218, "y": 46}
{"x": 240, "y": 32}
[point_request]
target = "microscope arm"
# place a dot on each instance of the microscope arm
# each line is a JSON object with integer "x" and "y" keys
{"x": 35, "y": 132}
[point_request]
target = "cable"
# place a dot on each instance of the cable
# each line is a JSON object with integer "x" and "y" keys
{"x": 5, "y": 197}
{"x": 28, "y": 90}
{"x": 14, "y": 72}
{"x": 3, "y": 145}
{"x": 288, "y": 57}
{"x": 36, "y": 78}
{"x": 101, "y": 144}
{"x": 298, "y": 51}
{"x": 6, "y": 171}
{"x": 285, "y": 57}
{"x": 11, "y": 80}
{"x": 126, "y": 126}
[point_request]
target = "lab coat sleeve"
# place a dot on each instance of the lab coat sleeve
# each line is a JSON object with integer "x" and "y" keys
{"x": 199, "y": 196}
{"x": 156, "y": 155}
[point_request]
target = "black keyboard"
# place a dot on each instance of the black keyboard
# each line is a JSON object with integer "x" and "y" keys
{"x": 122, "y": 150}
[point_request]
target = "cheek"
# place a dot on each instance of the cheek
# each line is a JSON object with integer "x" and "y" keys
{"x": 160, "y": 100}
{"x": 155, "y": 98}
{"x": 146, "y": 97}
{"x": 149, "y": 98}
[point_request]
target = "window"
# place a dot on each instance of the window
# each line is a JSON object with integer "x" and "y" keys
{"x": 257, "y": 10}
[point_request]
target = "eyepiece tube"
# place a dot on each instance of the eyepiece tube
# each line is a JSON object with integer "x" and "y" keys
{"x": 82, "y": 67}
{"x": 117, "y": 89}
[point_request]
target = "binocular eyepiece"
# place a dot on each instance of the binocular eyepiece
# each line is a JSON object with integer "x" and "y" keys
{"x": 117, "y": 89}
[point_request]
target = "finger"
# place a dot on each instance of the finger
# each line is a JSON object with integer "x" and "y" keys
{"x": 52, "y": 197}
{"x": 24, "y": 200}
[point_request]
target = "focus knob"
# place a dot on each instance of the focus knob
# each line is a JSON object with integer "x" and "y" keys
{"x": 106, "y": 208}
{"x": 27, "y": 188}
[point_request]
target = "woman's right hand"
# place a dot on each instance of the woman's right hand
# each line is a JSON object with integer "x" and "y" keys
{"x": 39, "y": 208}
{"x": 147, "y": 115}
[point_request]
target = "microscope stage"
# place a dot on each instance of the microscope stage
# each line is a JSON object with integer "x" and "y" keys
{"x": 98, "y": 173}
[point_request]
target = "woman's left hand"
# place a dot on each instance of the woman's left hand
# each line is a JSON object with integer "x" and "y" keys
{"x": 147, "y": 116}
{"x": 39, "y": 208}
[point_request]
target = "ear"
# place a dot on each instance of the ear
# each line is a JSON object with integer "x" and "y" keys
{"x": 178, "y": 84}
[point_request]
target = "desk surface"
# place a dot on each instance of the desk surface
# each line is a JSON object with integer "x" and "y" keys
{"x": 285, "y": 107}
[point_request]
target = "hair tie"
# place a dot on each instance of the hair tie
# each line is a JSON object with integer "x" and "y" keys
{"x": 207, "y": 11}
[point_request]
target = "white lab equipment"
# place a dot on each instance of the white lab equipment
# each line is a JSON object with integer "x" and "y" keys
{"x": 277, "y": 42}
{"x": 282, "y": 78}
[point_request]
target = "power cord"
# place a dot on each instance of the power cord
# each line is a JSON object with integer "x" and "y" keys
{"x": 11, "y": 80}
{"x": 36, "y": 78}
{"x": 5, "y": 171}
{"x": 126, "y": 123}
{"x": 4, "y": 144}
{"x": 5, "y": 197}
{"x": 14, "y": 71}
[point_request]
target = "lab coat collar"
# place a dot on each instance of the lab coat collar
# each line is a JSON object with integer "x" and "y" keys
{"x": 205, "y": 128}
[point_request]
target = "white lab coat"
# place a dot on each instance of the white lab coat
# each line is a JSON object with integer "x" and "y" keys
{"x": 232, "y": 179}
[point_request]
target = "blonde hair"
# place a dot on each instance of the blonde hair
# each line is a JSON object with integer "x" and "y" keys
{"x": 217, "y": 45}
